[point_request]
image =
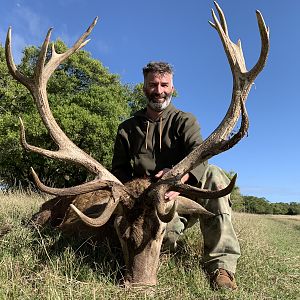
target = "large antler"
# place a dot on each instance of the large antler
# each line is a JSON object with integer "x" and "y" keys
{"x": 37, "y": 85}
{"x": 218, "y": 141}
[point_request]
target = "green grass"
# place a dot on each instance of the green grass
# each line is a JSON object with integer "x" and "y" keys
{"x": 45, "y": 265}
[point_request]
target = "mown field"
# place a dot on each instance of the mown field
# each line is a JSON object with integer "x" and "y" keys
{"x": 37, "y": 264}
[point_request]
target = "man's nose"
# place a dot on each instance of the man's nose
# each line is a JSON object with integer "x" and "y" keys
{"x": 159, "y": 89}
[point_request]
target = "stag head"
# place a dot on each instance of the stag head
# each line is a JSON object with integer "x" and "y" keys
{"x": 139, "y": 208}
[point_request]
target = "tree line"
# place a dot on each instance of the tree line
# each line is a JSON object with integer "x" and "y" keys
{"x": 256, "y": 205}
{"x": 89, "y": 103}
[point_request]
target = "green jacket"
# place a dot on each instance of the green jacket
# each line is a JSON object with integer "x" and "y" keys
{"x": 143, "y": 147}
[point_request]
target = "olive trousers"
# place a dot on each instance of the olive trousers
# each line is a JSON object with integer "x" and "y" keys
{"x": 221, "y": 246}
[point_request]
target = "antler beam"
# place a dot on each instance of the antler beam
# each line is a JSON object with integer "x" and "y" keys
{"x": 218, "y": 141}
{"x": 37, "y": 85}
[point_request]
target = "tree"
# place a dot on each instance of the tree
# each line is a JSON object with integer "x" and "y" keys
{"x": 294, "y": 208}
{"x": 138, "y": 99}
{"x": 257, "y": 205}
{"x": 87, "y": 101}
{"x": 280, "y": 208}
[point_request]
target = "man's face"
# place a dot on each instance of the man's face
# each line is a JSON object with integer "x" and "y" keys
{"x": 158, "y": 89}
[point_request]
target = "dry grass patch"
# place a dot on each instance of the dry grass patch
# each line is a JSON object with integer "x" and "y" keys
{"x": 44, "y": 265}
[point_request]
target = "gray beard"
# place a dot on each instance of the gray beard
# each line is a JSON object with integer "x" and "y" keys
{"x": 160, "y": 106}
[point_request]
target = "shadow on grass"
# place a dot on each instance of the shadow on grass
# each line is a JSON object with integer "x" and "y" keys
{"x": 188, "y": 256}
{"x": 101, "y": 256}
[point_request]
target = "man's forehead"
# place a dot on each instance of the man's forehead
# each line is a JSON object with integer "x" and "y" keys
{"x": 159, "y": 76}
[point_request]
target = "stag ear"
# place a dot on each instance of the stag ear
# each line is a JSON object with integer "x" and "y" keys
{"x": 187, "y": 206}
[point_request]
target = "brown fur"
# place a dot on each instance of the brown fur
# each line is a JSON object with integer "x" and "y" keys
{"x": 57, "y": 212}
{"x": 139, "y": 228}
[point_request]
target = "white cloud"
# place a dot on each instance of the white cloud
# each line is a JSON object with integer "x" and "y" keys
{"x": 32, "y": 22}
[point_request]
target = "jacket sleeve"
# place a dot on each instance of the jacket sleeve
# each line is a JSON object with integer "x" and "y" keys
{"x": 121, "y": 162}
{"x": 191, "y": 137}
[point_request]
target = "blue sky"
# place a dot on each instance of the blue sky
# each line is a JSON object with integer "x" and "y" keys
{"x": 131, "y": 33}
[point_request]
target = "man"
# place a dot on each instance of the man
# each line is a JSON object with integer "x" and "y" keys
{"x": 155, "y": 139}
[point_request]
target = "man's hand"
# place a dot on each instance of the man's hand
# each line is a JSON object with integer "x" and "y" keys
{"x": 171, "y": 195}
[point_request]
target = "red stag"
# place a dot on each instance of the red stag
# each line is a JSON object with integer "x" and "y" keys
{"x": 138, "y": 208}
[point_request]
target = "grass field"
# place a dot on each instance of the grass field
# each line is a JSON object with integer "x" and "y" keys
{"x": 45, "y": 265}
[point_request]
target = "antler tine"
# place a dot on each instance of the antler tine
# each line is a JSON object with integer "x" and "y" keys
{"x": 42, "y": 57}
{"x": 222, "y": 18}
{"x": 81, "y": 41}
{"x": 233, "y": 51}
{"x": 84, "y": 188}
{"x": 102, "y": 219}
{"x": 11, "y": 64}
{"x": 227, "y": 144}
{"x": 56, "y": 58}
{"x": 265, "y": 46}
{"x": 111, "y": 206}
{"x": 29, "y": 147}
{"x": 63, "y": 153}
{"x": 204, "y": 193}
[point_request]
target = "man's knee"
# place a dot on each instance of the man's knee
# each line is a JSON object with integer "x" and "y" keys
{"x": 214, "y": 179}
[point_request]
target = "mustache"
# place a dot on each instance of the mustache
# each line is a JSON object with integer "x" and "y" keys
{"x": 153, "y": 97}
